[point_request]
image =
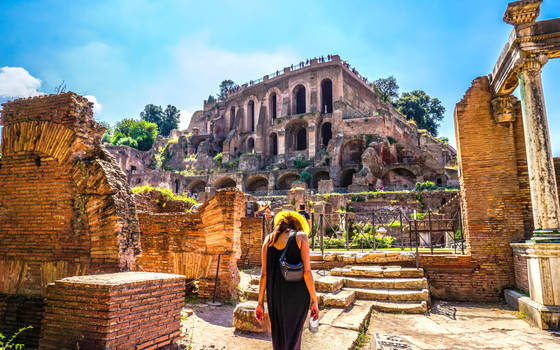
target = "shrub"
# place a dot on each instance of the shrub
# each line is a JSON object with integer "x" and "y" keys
{"x": 395, "y": 223}
{"x": 218, "y": 159}
{"x": 127, "y": 141}
{"x": 326, "y": 197}
{"x": 425, "y": 186}
{"x": 293, "y": 202}
{"x": 167, "y": 193}
{"x": 8, "y": 344}
{"x": 391, "y": 140}
{"x": 142, "y": 132}
{"x": 305, "y": 177}
{"x": 300, "y": 163}
{"x": 357, "y": 199}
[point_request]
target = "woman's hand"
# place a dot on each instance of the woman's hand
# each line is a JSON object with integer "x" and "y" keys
{"x": 314, "y": 310}
{"x": 259, "y": 312}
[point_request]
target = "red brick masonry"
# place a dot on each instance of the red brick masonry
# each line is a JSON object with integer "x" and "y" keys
{"x": 130, "y": 310}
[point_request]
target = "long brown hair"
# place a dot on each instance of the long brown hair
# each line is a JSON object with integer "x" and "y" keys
{"x": 284, "y": 225}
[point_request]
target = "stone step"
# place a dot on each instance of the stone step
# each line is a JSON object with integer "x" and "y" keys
{"x": 328, "y": 284}
{"x": 341, "y": 299}
{"x": 252, "y": 292}
{"x": 407, "y": 307}
{"x": 244, "y": 318}
{"x": 338, "y": 328}
{"x": 386, "y": 283}
{"x": 376, "y": 271}
{"x": 390, "y": 294}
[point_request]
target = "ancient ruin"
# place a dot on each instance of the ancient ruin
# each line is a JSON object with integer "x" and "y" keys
{"x": 321, "y": 117}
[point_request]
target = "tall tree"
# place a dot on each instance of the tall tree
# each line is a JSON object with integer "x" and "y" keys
{"x": 135, "y": 133}
{"x": 426, "y": 111}
{"x": 387, "y": 89}
{"x": 152, "y": 114}
{"x": 224, "y": 89}
{"x": 170, "y": 120}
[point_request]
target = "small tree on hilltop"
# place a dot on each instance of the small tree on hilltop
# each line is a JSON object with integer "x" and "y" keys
{"x": 152, "y": 114}
{"x": 170, "y": 120}
{"x": 387, "y": 89}
{"x": 225, "y": 86}
{"x": 426, "y": 111}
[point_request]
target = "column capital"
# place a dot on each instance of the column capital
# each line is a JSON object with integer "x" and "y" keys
{"x": 503, "y": 108}
{"x": 522, "y": 12}
{"x": 532, "y": 63}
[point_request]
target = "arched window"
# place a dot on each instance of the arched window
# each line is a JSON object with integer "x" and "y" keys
{"x": 273, "y": 144}
{"x": 299, "y": 99}
{"x": 272, "y": 106}
{"x": 251, "y": 112}
{"x": 301, "y": 139}
{"x": 231, "y": 117}
{"x": 326, "y": 96}
{"x": 326, "y": 134}
{"x": 250, "y": 145}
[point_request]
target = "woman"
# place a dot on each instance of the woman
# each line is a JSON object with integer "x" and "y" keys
{"x": 288, "y": 302}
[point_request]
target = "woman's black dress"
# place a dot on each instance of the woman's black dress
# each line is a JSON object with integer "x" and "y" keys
{"x": 288, "y": 302}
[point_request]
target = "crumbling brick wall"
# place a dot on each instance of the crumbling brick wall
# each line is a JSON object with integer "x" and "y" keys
{"x": 251, "y": 241}
{"x": 495, "y": 201}
{"x": 65, "y": 206}
{"x": 190, "y": 243}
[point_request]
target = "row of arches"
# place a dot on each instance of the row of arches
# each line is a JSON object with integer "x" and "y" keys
{"x": 299, "y": 105}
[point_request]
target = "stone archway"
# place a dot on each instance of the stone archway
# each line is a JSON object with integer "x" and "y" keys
{"x": 197, "y": 186}
{"x": 225, "y": 182}
{"x": 257, "y": 183}
{"x": 320, "y": 175}
{"x": 79, "y": 215}
{"x": 285, "y": 181}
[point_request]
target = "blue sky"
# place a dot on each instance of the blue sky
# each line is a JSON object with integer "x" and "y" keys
{"x": 127, "y": 54}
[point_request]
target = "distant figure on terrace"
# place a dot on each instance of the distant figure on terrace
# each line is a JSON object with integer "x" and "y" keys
{"x": 288, "y": 301}
{"x": 303, "y": 212}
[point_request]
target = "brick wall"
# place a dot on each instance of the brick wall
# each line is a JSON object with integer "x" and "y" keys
{"x": 495, "y": 196}
{"x": 521, "y": 274}
{"x": 132, "y": 310}
{"x": 190, "y": 243}
{"x": 65, "y": 207}
{"x": 251, "y": 242}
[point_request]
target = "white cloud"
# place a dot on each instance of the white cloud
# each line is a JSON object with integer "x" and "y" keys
{"x": 184, "y": 119}
{"x": 97, "y": 107}
{"x": 17, "y": 82}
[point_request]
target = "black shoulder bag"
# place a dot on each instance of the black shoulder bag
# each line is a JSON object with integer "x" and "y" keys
{"x": 291, "y": 272}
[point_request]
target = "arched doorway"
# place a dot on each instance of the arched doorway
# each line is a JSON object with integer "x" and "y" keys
{"x": 301, "y": 139}
{"x": 251, "y": 115}
{"x": 326, "y": 96}
{"x": 399, "y": 177}
{"x": 347, "y": 177}
{"x": 250, "y": 145}
{"x": 318, "y": 176}
{"x": 273, "y": 144}
{"x": 257, "y": 184}
{"x": 225, "y": 182}
{"x": 197, "y": 186}
{"x": 231, "y": 117}
{"x": 272, "y": 106}
{"x": 299, "y": 99}
{"x": 285, "y": 181}
{"x": 352, "y": 152}
{"x": 326, "y": 134}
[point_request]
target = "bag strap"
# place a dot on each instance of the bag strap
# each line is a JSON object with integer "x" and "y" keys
{"x": 290, "y": 239}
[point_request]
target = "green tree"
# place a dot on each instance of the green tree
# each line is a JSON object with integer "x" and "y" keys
{"x": 152, "y": 114}
{"x": 224, "y": 89}
{"x": 387, "y": 89}
{"x": 139, "y": 134}
{"x": 426, "y": 111}
{"x": 211, "y": 99}
{"x": 169, "y": 121}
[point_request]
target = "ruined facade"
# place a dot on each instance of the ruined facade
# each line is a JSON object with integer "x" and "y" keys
{"x": 320, "y": 117}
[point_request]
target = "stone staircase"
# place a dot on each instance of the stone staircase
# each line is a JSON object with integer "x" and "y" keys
{"x": 350, "y": 287}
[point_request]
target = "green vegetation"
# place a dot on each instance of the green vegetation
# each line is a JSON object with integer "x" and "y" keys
{"x": 426, "y": 111}
{"x": 357, "y": 199}
{"x": 167, "y": 193}
{"x": 166, "y": 120}
{"x": 391, "y": 140}
{"x": 224, "y": 87}
{"x": 218, "y": 158}
{"x": 8, "y": 344}
{"x": 444, "y": 140}
{"x": 305, "y": 177}
{"x": 232, "y": 163}
{"x": 138, "y": 134}
{"x": 386, "y": 88}
{"x": 425, "y": 186}
{"x": 300, "y": 163}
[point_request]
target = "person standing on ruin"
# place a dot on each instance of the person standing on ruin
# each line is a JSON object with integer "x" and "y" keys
{"x": 288, "y": 301}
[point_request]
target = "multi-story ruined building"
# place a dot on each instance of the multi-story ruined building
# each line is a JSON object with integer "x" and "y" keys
{"x": 319, "y": 116}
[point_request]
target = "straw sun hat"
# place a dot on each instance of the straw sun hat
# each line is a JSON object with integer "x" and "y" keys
{"x": 284, "y": 214}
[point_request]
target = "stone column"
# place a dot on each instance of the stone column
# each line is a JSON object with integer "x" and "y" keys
{"x": 542, "y": 180}
{"x": 281, "y": 142}
{"x": 311, "y": 138}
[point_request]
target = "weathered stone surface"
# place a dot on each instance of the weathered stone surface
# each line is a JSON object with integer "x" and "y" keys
{"x": 328, "y": 284}
{"x": 244, "y": 318}
{"x": 342, "y": 299}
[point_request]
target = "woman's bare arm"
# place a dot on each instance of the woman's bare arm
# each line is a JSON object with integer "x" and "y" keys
{"x": 262, "y": 285}
{"x": 307, "y": 274}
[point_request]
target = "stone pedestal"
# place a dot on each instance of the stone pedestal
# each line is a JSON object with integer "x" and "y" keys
{"x": 326, "y": 186}
{"x": 543, "y": 273}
